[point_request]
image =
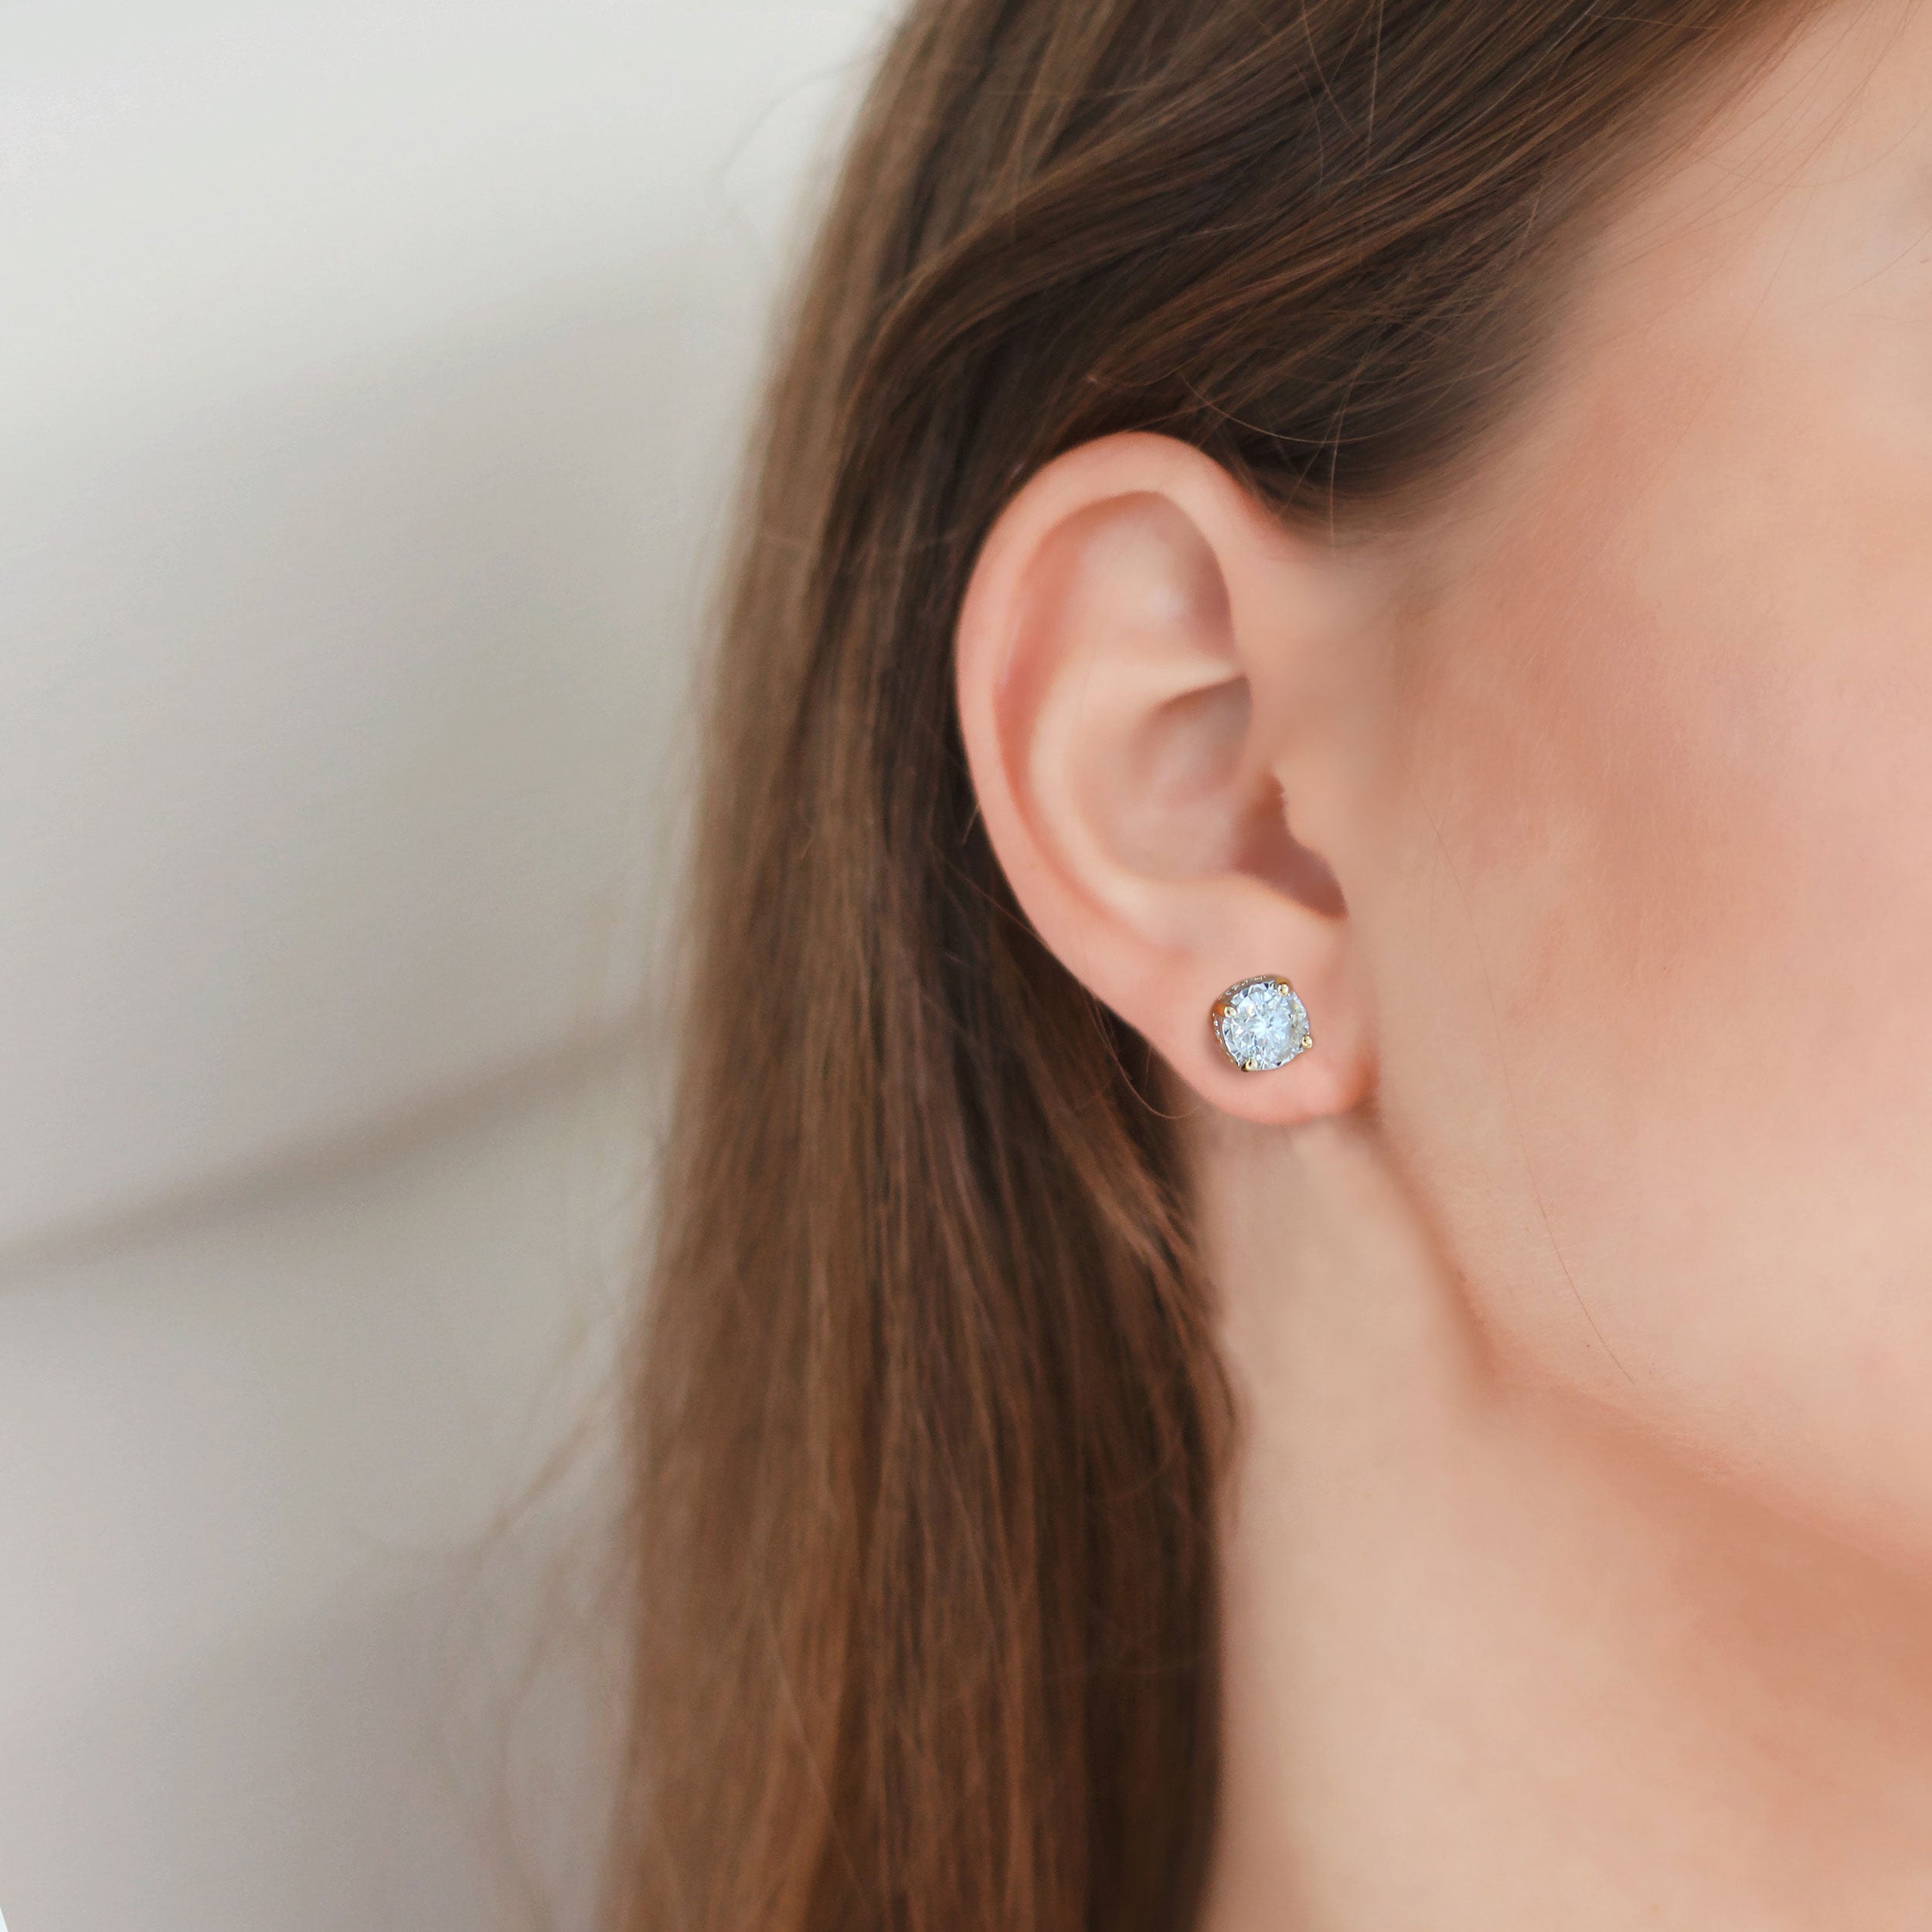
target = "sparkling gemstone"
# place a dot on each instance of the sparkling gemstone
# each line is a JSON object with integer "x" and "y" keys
{"x": 1261, "y": 1024}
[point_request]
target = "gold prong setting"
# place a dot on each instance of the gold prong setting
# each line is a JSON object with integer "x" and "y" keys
{"x": 1261, "y": 1024}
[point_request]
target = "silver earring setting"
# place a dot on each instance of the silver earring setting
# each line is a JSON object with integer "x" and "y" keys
{"x": 1261, "y": 1024}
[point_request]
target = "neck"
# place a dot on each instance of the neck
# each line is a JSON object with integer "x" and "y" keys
{"x": 1489, "y": 1662}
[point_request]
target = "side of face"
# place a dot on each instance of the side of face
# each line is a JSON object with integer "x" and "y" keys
{"x": 1593, "y": 821}
{"x": 1652, "y": 892}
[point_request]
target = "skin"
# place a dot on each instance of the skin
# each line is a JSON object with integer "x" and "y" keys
{"x": 1576, "y": 1288}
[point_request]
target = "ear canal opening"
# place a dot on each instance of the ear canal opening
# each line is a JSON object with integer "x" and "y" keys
{"x": 1269, "y": 849}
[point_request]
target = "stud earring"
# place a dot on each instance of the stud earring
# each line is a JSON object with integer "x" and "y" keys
{"x": 1261, "y": 1024}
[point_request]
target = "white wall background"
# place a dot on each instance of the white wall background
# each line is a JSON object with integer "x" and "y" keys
{"x": 369, "y": 375}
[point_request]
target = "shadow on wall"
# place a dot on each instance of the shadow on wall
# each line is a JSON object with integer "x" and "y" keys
{"x": 341, "y": 725}
{"x": 290, "y": 1638}
{"x": 368, "y": 396}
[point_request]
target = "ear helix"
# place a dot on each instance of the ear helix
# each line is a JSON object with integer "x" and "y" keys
{"x": 1261, "y": 1024}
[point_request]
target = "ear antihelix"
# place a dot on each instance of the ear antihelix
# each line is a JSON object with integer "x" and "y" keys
{"x": 1261, "y": 1024}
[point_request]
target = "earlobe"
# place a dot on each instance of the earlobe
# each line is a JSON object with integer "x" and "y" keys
{"x": 1144, "y": 659}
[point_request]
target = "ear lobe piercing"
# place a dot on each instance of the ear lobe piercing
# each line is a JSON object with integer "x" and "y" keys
{"x": 1261, "y": 1024}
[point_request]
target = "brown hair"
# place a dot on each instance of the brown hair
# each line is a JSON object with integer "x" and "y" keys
{"x": 927, "y": 1419}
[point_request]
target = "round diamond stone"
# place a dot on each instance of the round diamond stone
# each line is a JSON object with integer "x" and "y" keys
{"x": 1261, "y": 1024}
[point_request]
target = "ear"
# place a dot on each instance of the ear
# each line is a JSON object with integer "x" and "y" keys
{"x": 1148, "y": 663}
